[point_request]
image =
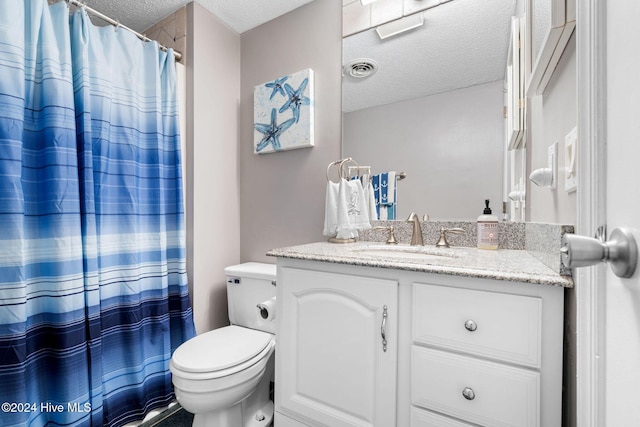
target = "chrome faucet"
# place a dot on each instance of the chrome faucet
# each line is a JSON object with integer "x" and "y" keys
{"x": 392, "y": 237}
{"x": 416, "y": 235}
{"x": 443, "y": 242}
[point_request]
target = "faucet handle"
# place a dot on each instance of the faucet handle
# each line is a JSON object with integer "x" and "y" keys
{"x": 414, "y": 216}
{"x": 442, "y": 242}
{"x": 392, "y": 237}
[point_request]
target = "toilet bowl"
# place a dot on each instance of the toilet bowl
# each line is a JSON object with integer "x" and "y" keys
{"x": 224, "y": 376}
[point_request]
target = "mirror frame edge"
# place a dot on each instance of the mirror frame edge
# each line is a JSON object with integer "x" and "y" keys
{"x": 563, "y": 23}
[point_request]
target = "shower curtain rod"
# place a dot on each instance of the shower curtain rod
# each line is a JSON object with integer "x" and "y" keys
{"x": 112, "y": 21}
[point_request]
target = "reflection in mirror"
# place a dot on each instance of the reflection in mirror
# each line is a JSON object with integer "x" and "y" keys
{"x": 540, "y": 24}
{"x": 550, "y": 24}
{"x": 434, "y": 106}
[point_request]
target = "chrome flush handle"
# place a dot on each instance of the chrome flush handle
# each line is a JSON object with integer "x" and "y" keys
{"x": 383, "y": 328}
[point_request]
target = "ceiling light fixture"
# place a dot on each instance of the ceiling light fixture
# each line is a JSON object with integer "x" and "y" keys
{"x": 399, "y": 26}
{"x": 366, "y": 2}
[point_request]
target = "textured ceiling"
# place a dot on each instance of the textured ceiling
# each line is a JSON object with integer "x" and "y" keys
{"x": 241, "y": 15}
{"x": 462, "y": 43}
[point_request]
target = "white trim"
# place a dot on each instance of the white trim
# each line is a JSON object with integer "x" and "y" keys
{"x": 591, "y": 70}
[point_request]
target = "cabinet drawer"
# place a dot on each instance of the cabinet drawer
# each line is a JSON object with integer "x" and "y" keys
{"x": 502, "y": 395}
{"x": 422, "y": 418}
{"x": 496, "y": 325}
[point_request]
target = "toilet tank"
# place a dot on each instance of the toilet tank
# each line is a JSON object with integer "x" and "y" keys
{"x": 248, "y": 285}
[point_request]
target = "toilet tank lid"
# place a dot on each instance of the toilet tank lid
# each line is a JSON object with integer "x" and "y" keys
{"x": 253, "y": 270}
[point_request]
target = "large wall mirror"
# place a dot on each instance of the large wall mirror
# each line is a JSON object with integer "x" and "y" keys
{"x": 429, "y": 101}
{"x": 550, "y": 24}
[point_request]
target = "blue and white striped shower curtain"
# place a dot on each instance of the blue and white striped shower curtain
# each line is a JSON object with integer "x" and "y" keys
{"x": 93, "y": 286}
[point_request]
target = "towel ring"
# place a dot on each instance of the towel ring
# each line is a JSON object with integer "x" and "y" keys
{"x": 337, "y": 162}
{"x": 344, "y": 172}
{"x": 341, "y": 163}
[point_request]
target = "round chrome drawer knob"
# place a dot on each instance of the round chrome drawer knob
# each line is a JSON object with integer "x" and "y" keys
{"x": 470, "y": 325}
{"x": 468, "y": 393}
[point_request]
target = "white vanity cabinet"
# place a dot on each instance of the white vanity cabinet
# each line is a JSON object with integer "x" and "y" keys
{"x": 480, "y": 355}
{"x": 461, "y": 351}
{"x": 336, "y": 349}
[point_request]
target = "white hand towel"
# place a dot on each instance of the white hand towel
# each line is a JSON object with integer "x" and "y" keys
{"x": 370, "y": 198}
{"x": 331, "y": 209}
{"x": 383, "y": 213}
{"x": 391, "y": 187}
{"x": 352, "y": 209}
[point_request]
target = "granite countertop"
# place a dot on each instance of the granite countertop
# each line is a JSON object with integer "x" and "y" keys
{"x": 512, "y": 265}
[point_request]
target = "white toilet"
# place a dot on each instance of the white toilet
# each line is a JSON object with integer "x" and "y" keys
{"x": 223, "y": 376}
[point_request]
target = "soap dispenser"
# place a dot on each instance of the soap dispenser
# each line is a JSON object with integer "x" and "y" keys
{"x": 488, "y": 234}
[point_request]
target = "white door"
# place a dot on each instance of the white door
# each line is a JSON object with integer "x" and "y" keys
{"x": 333, "y": 367}
{"x": 609, "y": 138}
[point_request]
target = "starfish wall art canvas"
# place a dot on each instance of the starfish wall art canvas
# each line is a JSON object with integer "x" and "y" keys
{"x": 283, "y": 113}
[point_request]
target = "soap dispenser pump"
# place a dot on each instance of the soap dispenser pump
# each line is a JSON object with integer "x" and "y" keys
{"x": 488, "y": 233}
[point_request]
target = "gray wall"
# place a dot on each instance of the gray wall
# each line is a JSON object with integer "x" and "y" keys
{"x": 212, "y": 201}
{"x": 282, "y": 194}
{"x": 278, "y": 199}
{"x": 449, "y": 144}
{"x": 553, "y": 115}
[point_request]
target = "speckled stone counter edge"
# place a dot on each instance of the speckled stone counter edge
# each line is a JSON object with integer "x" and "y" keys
{"x": 541, "y": 240}
{"x": 512, "y": 265}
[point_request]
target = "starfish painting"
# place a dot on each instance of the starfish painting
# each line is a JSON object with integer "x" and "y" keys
{"x": 296, "y": 99}
{"x": 272, "y": 132}
{"x": 283, "y": 113}
{"x": 277, "y": 87}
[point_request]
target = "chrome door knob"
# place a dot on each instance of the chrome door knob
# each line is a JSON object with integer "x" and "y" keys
{"x": 620, "y": 251}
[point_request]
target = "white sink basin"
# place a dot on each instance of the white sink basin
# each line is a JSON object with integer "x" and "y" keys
{"x": 414, "y": 253}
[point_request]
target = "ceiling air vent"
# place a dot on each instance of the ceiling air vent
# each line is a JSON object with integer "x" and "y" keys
{"x": 361, "y": 68}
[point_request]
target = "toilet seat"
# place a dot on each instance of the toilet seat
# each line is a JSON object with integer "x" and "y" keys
{"x": 221, "y": 352}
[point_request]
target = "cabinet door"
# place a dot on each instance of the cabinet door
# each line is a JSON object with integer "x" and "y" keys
{"x": 332, "y": 368}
